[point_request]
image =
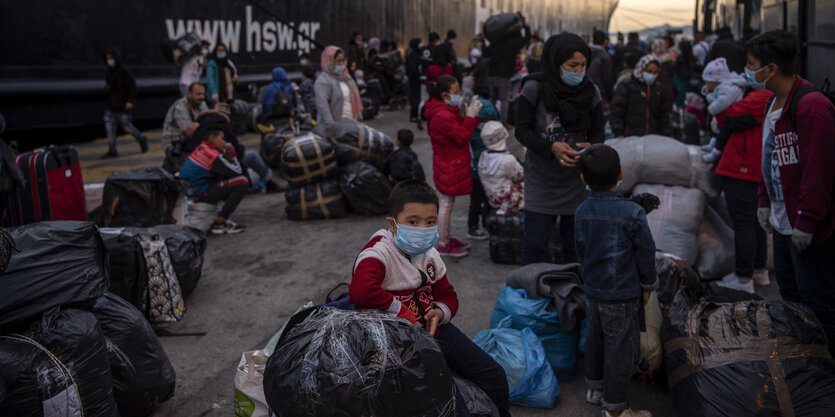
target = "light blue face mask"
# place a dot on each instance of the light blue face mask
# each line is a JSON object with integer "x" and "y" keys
{"x": 649, "y": 78}
{"x": 452, "y": 41}
{"x": 751, "y": 76}
{"x": 572, "y": 78}
{"x": 338, "y": 69}
{"x": 416, "y": 240}
{"x": 111, "y": 63}
{"x": 221, "y": 56}
{"x": 454, "y": 100}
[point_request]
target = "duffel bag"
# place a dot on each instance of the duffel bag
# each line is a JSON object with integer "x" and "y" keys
{"x": 322, "y": 200}
{"x": 308, "y": 159}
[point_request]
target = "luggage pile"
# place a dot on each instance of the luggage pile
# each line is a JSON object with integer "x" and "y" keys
{"x": 507, "y": 236}
{"x": 67, "y": 345}
{"x": 692, "y": 221}
{"x": 500, "y": 26}
{"x": 141, "y": 197}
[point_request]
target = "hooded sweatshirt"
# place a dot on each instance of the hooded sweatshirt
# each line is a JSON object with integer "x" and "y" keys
{"x": 280, "y": 83}
{"x": 121, "y": 86}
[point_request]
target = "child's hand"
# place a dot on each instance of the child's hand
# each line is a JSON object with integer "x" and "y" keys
{"x": 645, "y": 295}
{"x": 433, "y": 317}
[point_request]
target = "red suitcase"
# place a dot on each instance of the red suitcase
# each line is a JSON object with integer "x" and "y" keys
{"x": 54, "y": 188}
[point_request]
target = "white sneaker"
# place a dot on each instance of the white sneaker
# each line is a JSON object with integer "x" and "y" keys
{"x": 630, "y": 413}
{"x": 734, "y": 282}
{"x": 594, "y": 396}
{"x": 761, "y": 277}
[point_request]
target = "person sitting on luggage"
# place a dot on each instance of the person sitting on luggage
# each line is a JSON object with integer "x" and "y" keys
{"x": 280, "y": 83}
{"x": 400, "y": 272}
{"x": 181, "y": 119}
{"x": 617, "y": 258}
{"x": 403, "y": 164}
{"x": 216, "y": 174}
{"x": 501, "y": 174}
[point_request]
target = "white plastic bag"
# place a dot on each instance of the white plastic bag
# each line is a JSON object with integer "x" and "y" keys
{"x": 249, "y": 385}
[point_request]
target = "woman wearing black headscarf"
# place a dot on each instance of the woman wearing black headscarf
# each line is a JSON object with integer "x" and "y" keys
{"x": 221, "y": 76}
{"x": 560, "y": 113}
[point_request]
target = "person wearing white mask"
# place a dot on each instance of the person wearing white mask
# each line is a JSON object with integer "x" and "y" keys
{"x": 639, "y": 104}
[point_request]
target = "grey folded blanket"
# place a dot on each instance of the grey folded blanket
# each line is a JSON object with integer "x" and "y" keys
{"x": 562, "y": 284}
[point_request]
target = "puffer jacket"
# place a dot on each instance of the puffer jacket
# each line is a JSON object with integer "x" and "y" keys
{"x": 488, "y": 112}
{"x": 639, "y": 109}
{"x": 498, "y": 172}
{"x": 727, "y": 93}
{"x": 450, "y": 136}
{"x": 742, "y": 157}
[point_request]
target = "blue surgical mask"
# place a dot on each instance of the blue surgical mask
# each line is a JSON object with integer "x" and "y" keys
{"x": 572, "y": 78}
{"x": 415, "y": 240}
{"x": 452, "y": 41}
{"x": 338, "y": 69}
{"x": 221, "y": 56}
{"x": 304, "y": 62}
{"x": 454, "y": 100}
{"x": 111, "y": 63}
{"x": 751, "y": 76}
{"x": 649, "y": 78}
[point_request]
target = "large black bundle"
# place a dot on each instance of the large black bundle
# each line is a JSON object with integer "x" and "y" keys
{"x": 271, "y": 145}
{"x": 355, "y": 141}
{"x": 186, "y": 246}
{"x": 346, "y": 363}
{"x": 59, "y": 367}
{"x": 500, "y": 26}
{"x": 128, "y": 273}
{"x": 750, "y": 358}
{"x": 674, "y": 275}
{"x": 140, "y": 197}
{"x": 322, "y": 200}
{"x": 60, "y": 263}
{"x": 365, "y": 187}
{"x": 182, "y": 47}
{"x": 142, "y": 374}
{"x": 308, "y": 159}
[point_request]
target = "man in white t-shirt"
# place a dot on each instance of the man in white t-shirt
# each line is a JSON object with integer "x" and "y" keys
{"x": 701, "y": 49}
{"x": 192, "y": 68}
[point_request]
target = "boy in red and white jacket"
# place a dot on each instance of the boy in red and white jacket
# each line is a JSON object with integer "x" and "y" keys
{"x": 400, "y": 271}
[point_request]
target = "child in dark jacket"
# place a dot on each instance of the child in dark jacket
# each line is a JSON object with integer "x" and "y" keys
{"x": 617, "y": 257}
{"x": 216, "y": 174}
{"x": 400, "y": 272}
{"x": 403, "y": 164}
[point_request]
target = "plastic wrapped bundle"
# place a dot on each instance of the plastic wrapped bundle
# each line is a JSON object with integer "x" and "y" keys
{"x": 716, "y": 247}
{"x": 142, "y": 374}
{"x": 307, "y": 159}
{"x": 355, "y": 141}
{"x": 60, "y": 263}
{"x": 500, "y": 26}
{"x": 365, "y": 187}
{"x": 478, "y": 403}
{"x": 506, "y": 239}
{"x": 675, "y": 275}
{"x": 141, "y": 197}
{"x": 128, "y": 273}
{"x": 186, "y": 246}
{"x": 748, "y": 358}
{"x": 345, "y": 363}
{"x": 675, "y": 224}
{"x": 654, "y": 159}
{"x": 323, "y": 200}
{"x": 271, "y": 145}
{"x": 181, "y": 48}
{"x": 59, "y": 367}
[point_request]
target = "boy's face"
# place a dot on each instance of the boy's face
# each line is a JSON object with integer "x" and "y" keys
{"x": 415, "y": 215}
{"x": 217, "y": 141}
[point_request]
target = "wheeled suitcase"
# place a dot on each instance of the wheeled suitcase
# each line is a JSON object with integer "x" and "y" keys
{"x": 54, "y": 189}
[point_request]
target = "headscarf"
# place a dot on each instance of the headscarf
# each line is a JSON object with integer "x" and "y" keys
{"x": 571, "y": 103}
{"x": 642, "y": 65}
{"x": 221, "y": 62}
{"x": 659, "y": 50}
{"x": 327, "y": 68}
{"x": 373, "y": 45}
{"x": 685, "y": 61}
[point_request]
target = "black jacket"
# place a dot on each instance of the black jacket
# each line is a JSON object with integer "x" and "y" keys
{"x": 445, "y": 54}
{"x": 121, "y": 86}
{"x": 731, "y": 51}
{"x": 638, "y": 110}
{"x": 600, "y": 72}
{"x": 414, "y": 61}
{"x": 404, "y": 165}
{"x": 620, "y": 54}
{"x": 503, "y": 54}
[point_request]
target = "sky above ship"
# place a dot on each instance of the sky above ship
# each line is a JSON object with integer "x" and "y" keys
{"x": 636, "y": 15}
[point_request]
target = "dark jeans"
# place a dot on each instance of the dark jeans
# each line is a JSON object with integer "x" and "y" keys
{"x": 414, "y": 98}
{"x": 538, "y": 228}
{"x": 784, "y": 267}
{"x": 815, "y": 272}
{"x": 478, "y": 205}
{"x": 112, "y": 120}
{"x": 232, "y": 194}
{"x": 613, "y": 344}
{"x": 468, "y": 360}
{"x": 750, "y": 243}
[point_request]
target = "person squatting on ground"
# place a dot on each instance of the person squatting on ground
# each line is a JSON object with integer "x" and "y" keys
{"x": 501, "y": 174}
{"x": 617, "y": 257}
{"x": 450, "y": 135}
{"x": 639, "y": 105}
{"x": 797, "y": 197}
{"x": 121, "y": 91}
{"x": 400, "y": 272}
{"x": 181, "y": 119}
{"x": 722, "y": 89}
{"x": 216, "y": 175}
{"x": 403, "y": 164}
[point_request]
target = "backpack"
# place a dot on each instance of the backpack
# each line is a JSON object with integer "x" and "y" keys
{"x": 802, "y": 91}
{"x": 282, "y": 104}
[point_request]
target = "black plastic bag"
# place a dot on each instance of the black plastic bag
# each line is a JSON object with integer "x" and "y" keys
{"x": 365, "y": 187}
{"x": 355, "y": 141}
{"x": 128, "y": 272}
{"x": 186, "y": 46}
{"x": 142, "y": 374}
{"x": 140, "y": 197}
{"x": 307, "y": 159}
{"x": 271, "y": 145}
{"x": 368, "y": 363}
{"x": 751, "y": 358}
{"x": 59, "y": 365}
{"x": 322, "y": 200}
{"x": 675, "y": 275}
{"x": 60, "y": 263}
{"x": 186, "y": 246}
{"x": 500, "y": 26}
{"x": 479, "y": 404}
{"x": 507, "y": 238}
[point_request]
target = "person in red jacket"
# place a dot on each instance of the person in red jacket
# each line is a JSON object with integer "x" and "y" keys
{"x": 797, "y": 197}
{"x": 739, "y": 168}
{"x": 450, "y": 135}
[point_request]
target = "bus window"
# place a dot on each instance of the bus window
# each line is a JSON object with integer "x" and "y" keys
{"x": 821, "y": 20}
{"x": 792, "y": 16}
{"x": 772, "y": 17}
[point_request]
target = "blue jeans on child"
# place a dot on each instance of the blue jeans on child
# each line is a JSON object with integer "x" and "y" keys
{"x": 613, "y": 344}
{"x": 468, "y": 360}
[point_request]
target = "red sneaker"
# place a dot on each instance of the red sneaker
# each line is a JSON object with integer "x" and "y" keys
{"x": 452, "y": 251}
{"x": 459, "y": 244}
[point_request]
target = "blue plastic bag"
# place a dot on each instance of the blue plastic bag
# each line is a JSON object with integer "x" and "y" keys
{"x": 529, "y": 376}
{"x": 561, "y": 349}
